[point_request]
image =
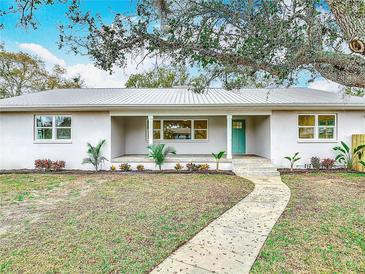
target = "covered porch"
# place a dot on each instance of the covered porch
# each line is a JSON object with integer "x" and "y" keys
{"x": 193, "y": 136}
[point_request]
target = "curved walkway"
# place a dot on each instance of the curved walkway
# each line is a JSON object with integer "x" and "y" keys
{"x": 231, "y": 243}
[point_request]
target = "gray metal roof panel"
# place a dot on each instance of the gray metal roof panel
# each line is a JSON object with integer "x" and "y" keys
{"x": 179, "y": 97}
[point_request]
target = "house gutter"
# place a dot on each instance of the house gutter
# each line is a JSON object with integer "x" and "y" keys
{"x": 185, "y": 107}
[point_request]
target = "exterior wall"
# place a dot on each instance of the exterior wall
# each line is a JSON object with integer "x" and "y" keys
{"x": 117, "y": 136}
{"x": 18, "y": 149}
{"x": 284, "y": 141}
{"x": 262, "y": 136}
{"x": 136, "y": 141}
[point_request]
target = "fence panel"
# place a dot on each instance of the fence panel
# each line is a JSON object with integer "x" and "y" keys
{"x": 359, "y": 139}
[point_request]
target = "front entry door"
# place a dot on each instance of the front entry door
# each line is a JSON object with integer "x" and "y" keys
{"x": 238, "y": 137}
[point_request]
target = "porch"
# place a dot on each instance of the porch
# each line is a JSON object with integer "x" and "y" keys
{"x": 193, "y": 136}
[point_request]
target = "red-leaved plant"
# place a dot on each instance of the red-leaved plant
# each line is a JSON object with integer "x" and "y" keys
{"x": 328, "y": 163}
{"x": 47, "y": 165}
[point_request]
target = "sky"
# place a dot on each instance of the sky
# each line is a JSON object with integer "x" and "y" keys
{"x": 43, "y": 43}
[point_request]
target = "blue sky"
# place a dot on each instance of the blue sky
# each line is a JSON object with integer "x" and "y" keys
{"x": 43, "y": 42}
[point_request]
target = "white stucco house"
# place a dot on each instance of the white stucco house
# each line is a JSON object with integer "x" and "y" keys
{"x": 272, "y": 123}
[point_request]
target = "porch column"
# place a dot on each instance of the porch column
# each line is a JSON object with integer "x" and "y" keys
{"x": 229, "y": 136}
{"x": 150, "y": 129}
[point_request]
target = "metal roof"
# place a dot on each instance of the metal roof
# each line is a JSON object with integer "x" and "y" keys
{"x": 179, "y": 97}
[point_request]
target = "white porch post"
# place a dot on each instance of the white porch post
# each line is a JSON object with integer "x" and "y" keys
{"x": 150, "y": 129}
{"x": 229, "y": 136}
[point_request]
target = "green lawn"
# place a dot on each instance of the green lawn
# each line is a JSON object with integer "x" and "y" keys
{"x": 105, "y": 222}
{"x": 322, "y": 230}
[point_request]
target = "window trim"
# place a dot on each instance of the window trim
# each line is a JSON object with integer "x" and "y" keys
{"x": 316, "y": 127}
{"x": 179, "y": 140}
{"x": 54, "y": 128}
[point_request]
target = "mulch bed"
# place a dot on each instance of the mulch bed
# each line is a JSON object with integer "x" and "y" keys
{"x": 304, "y": 171}
{"x": 79, "y": 171}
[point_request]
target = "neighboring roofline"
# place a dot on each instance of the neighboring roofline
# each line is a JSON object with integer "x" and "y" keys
{"x": 100, "y": 107}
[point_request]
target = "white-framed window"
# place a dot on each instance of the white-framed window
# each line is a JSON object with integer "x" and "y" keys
{"x": 318, "y": 127}
{"x": 179, "y": 129}
{"x": 52, "y": 127}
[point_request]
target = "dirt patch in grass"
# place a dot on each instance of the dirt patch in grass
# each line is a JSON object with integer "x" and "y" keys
{"x": 322, "y": 229}
{"x": 111, "y": 223}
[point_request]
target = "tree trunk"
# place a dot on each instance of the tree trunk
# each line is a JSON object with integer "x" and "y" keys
{"x": 350, "y": 16}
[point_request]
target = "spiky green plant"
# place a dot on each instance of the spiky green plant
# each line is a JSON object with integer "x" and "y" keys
{"x": 95, "y": 155}
{"x": 349, "y": 158}
{"x": 218, "y": 156}
{"x": 295, "y": 158}
{"x": 159, "y": 153}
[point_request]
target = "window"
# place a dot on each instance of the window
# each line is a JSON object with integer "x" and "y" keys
{"x": 200, "y": 129}
{"x": 317, "y": 126}
{"x": 179, "y": 129}
{"x": 53, "y": 127}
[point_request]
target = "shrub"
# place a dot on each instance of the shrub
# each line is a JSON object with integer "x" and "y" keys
{"x": 178, "y": 167}
{"x": 125, "y": 167}
{"x": 43, "y": 164}
{"x": 58, "y": 165}
{"x": 347, "y": 157}
{"x": 204, "y": 167}
{"x": 328, "y": 163}
{"x": 113, "y": 168}
{"x": 96, "y": 157}
{"x": 218, "y": 156}
{"x": 140, "y": 167}
{"x": 316, "y": 162}
{"x": 159, "y": 153}
{"x": 192, "y": 167}
{"x": 293, "y": 159}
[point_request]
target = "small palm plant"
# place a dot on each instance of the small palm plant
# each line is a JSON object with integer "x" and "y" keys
{"x": 159, "y": 153}
{"x": 95, "y": 155}
{"x": 348, "y": 158}
{"x": 295, "y": 158}
{"x": 218, "y": 156}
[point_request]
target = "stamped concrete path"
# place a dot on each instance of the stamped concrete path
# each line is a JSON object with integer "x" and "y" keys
{"x": 231, "y": 243}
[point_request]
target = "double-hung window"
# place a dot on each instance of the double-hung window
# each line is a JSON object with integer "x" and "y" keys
{"x": 52, "y": 127}
{"x": 319, "y": 127}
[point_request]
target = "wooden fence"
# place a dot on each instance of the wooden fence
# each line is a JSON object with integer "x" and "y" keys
{"x": 359, "y": 139}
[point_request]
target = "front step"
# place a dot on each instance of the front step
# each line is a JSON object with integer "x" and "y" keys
{"x": 254, "y": 166}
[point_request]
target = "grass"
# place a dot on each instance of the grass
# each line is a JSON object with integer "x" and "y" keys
{"x": 106, "y": 223}
{"x": 323, "y": 228}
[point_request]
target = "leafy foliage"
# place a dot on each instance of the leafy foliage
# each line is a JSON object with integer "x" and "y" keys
{"x": 22, "y": 73}
{"x": 192, "y": 167}
{"x": 95, "y": 155}
{"x": 328, "y": 163}
{"x": 159, "y": 152}
{"x": 316, "y": 162}
{"x": 125, "y": 167}
{"x": 218, "y": 156}
{"x": 347, "y": 157}
{"x": 47, "y": 164}
{"x": 204, "y": 167}
{"x": 161, "y": 77}
{"x": 295, "y": 158}
{"x": 140, "y": 167}
{"x": 178, "y": 167}
{"x": 235, "y": 40}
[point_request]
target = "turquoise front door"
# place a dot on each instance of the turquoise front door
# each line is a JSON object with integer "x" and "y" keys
{"x": 238, "y": 137}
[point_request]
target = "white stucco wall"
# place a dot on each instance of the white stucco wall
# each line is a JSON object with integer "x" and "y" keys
{"x": 261, "y": 136}
{"x": 284, "y": 136}
{"x": 117, "y": 136}
{"x": 18, "y": 149}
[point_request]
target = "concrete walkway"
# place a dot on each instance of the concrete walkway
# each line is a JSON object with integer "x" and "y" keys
{"x": 231, "y": 243}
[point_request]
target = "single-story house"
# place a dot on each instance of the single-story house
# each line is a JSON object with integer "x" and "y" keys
{"x": 272, "y": 123}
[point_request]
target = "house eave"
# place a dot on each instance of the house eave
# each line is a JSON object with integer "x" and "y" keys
{"x": 34, "y": 108}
